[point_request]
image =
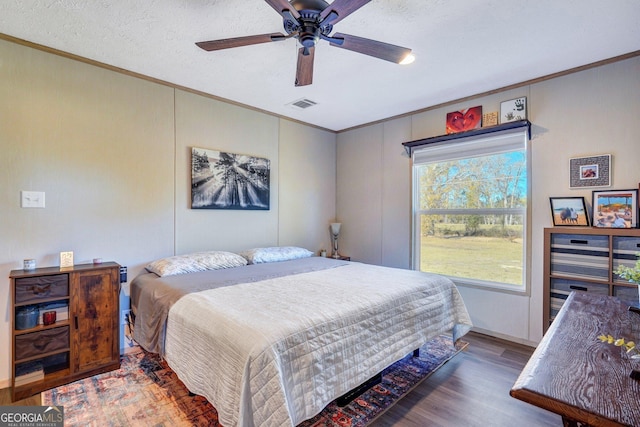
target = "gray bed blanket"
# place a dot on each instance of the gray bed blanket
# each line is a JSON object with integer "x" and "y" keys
{"x": 152, "y": 296}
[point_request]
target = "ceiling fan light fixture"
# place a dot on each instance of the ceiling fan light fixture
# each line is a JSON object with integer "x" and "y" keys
{"x": 309, "y": 21}
{"x": 408, "y": 59}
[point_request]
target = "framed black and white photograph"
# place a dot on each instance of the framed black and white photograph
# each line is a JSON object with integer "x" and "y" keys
{"x": 615, "y": 208}
{"x": 594, "y": 171}
{"x": 569, "y": 211}
{"x": 221, "y": 180}
{"x": 513, "y": 110}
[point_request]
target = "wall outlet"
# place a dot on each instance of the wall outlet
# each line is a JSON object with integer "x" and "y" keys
{"x": 32, "y": 199}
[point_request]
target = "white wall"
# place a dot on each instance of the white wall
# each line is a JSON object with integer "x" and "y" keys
{"x": 112, "y": 154}
{"x": 590, "y": 112}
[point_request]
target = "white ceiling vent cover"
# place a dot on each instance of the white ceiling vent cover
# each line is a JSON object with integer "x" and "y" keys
{"x": 302, "y": 104}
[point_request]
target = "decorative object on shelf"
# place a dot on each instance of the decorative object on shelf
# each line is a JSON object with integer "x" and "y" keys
{"x": 222, "y": 180}
{"x": 60, "y": 308}
{"x": 49, "y": 317}
{"x": 513, "y": 110}
{"x": 464, "y": 120}
{"x": 569, "y": 211}
{"x": 29, "y": 264}
{"x": 490, "y": 119}
{"x": 615, "y": 209}
{"x": 66, "y": 259}
{"x": 323, "y": 253}
{"x": 335, "y": 231}
{"x": 594, "y": 171}
{"x": 27, "y": 317}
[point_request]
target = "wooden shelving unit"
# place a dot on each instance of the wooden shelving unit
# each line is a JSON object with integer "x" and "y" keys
{"x": 84, "y": 344}
{"x": 584, "y": 259}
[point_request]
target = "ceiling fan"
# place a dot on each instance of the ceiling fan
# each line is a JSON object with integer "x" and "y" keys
{"x": 309, "y": 21}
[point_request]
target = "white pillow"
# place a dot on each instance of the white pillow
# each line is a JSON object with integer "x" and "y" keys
{"x": 275, "y": 254}
{"x": 197, "y": 261}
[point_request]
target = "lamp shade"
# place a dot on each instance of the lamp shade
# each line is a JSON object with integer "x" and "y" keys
{"x": 335, "y": 228}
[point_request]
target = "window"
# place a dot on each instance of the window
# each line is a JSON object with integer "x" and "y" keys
{"x": 470, "y": 208}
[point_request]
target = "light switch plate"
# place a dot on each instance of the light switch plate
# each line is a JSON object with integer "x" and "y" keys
{"x": 32, "y": 199}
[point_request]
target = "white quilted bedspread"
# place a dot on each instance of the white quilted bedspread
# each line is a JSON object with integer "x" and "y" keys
{"x": 277, "y": 351}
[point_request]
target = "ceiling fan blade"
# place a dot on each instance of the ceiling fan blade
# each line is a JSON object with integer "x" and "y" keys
{"x": 282, "y": 5}
{"x": 304, "y": 72}
{"x": 386, "y": 51}
{"x": 343, "y": 8}
{"x": 239, "y": 41}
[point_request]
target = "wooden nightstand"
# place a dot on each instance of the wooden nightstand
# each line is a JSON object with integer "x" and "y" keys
{"x": 82, "y": 342}
{"x": 341, "y": 257}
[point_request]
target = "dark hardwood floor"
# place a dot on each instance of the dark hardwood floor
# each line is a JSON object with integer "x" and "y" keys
{"x": 472, "y": 389}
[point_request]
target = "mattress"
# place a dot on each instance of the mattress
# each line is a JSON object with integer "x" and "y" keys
{"x": 274, "y": 349}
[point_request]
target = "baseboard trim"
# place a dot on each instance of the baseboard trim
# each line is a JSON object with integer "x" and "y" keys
{"x": 505, "y": 337}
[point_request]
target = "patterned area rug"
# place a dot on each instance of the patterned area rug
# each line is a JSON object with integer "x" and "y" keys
{"x": 146, "y": 392}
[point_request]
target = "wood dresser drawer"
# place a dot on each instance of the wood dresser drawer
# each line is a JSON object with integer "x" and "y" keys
{"x": 34, "y": 289}
{"x": 580, "y": 255}
{"x": 41, "y": 342}
{"x": 627, "y": 294}
{"x": 561, "y": 288}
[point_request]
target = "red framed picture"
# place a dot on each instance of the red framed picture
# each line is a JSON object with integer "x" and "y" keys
{"x": 464, "y": 120}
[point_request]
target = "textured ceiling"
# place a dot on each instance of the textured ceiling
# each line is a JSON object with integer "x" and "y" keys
{"x": 462, "y": 48}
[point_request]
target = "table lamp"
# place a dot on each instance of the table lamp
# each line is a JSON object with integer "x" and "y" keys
{"x": 335, "y": 231}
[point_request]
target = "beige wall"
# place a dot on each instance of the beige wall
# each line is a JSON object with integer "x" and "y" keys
{"x": 112, "y": 154}
{"x": 591, "y": 112}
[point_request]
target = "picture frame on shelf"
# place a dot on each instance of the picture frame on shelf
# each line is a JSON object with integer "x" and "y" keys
{"x": 513, "y": 110}
{"x": 615, "y": 208}
{"x": 592, "y": 171}
{"x": 489, "y": 119}
{"x": 464, "y": 120}
{"x": 569, "y": 211}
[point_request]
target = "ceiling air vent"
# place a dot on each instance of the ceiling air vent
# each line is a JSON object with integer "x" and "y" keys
{"x": 302, "y": 104}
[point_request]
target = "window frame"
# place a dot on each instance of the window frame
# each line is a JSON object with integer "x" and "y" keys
{"x": 450, "y": 143}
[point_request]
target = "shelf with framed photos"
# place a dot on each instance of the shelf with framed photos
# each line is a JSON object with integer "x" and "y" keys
{"x": 585, "y": 259}
{"x": 80, "y": 340}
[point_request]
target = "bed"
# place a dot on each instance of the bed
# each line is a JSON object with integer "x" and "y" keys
{"x": 272, "y": 343}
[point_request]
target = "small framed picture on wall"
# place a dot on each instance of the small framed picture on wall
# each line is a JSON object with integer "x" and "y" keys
{"x": 593, "y": 171}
